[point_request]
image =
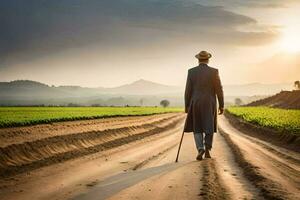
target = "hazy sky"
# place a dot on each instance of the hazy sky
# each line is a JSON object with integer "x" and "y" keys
{"x": 113, "y": 42}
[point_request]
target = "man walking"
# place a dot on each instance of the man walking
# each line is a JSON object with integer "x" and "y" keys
{"x": 202, "y": 86}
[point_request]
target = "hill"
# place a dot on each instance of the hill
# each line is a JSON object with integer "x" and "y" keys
{"x": 26, "y": 89}
{"x": 284, "y": 99}
{"x": 144, "y": 87}
{"x": 140, "y": 92}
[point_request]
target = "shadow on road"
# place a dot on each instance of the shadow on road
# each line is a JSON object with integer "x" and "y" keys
{"x": 114, "y": 184}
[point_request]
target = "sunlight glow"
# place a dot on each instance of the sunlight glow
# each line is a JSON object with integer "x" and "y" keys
{"x": 290, "y": 42}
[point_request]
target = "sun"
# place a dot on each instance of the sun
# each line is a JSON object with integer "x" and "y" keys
{"x": 290, "y": 42}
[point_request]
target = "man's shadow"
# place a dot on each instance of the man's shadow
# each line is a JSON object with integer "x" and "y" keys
{"x": 112, "y": 185}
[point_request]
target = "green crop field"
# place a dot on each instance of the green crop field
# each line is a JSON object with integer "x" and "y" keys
{"x": 275, "y": 118}
{"x": 21, "y": 116}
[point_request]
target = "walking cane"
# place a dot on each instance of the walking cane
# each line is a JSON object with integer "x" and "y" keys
{"x": 179, "y": 146}
{"x": 181, "y": 139}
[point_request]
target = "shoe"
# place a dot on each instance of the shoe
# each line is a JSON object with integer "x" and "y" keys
{"x": 207, "y": 155}
{"x": 200, "y": 154}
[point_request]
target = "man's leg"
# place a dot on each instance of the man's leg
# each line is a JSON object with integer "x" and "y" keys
{"x": 208, "y": 143}
{"x": 199, "y": 144}
{"x": 199, "y": 141}
{"x": 208, "y": 140}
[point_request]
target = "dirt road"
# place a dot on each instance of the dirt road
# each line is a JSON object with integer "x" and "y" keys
{"x": 143, "y": 167}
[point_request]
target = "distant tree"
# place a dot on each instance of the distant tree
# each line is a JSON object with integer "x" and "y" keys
{"x": 165, "y": 103}
{"x": 141, "y": 102}
{"x": 238, "y": 101}
{"x": 73, "y": 105}
{"x": 96, "y": 105}
{"x": 297, "y": 85}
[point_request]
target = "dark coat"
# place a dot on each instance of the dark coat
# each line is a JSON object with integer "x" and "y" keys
{"x": 202, "y": 86}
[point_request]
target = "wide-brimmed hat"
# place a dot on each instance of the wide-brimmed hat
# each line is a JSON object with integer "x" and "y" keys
{"x": 203, "y": 55}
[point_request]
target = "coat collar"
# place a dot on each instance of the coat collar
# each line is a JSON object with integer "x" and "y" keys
{"x": 202, "y": 65}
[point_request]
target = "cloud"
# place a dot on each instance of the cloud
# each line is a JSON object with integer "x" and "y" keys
{"x": 34, "y": 28}
{"x": 249, "y": 3}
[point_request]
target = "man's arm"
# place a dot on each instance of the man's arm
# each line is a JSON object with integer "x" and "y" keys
{"x": 188, "y": 92}
{"x": 219, "y": 92}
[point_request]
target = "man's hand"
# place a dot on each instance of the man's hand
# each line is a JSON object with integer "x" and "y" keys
{"x": 221, "y": 111}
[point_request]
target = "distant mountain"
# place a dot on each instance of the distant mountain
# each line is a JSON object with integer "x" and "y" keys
{"x": 141, "y": 92}
{"x": 77, "y": 91}
{"x": 144, "y": 87}
{"x": 26, "y": 89}
{"x": 27, "y": 92}
{"x": 33, "y": 88}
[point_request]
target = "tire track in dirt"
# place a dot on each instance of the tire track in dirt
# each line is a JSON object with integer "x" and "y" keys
{"x": 153, "y": 157}
{"x": 64, "y": 180}
{"x": 206, "y": 179}
{"x": 18, "y": 158}
{"x": 181, "y": 182}
{"x": 212, "y": 187}
{"x": 265, "y": 139}
{"x": 288, "y": 141}
{"x": 143, "y": 168}
{"x": 276, "y": 177}
{"x": 231, "y": 174}
{"x": 265, "y": 186}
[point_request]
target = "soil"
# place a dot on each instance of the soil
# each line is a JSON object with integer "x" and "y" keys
{"x": 283, "y": 139}
{"x": 105, "y": 165}
{"x": 24, "y": 149}
{"x": 284, "y": 99}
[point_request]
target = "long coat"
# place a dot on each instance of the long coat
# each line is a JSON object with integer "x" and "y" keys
{"x": 202, "y": 87}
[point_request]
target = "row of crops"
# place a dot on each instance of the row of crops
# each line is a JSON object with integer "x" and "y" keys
{"x": 21, "y": 116}
{"x": 279, "y": 119}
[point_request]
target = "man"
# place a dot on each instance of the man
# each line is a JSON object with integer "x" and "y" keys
{"x": 202, "y": 86}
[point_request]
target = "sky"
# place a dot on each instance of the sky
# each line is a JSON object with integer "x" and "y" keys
{"x": 109, "y": 43}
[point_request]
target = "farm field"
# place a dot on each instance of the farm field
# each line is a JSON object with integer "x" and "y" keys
{"x": 21, "y": 116}
{"x": 133, "y": 158}
{"x": 275, "y": 118}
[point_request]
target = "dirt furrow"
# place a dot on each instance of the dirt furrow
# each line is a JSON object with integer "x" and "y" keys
{"x": 216, "y": 178}
{"x": 231, "y": 174}
{"x": 213, "y": 187}
{"x": 267, "y": 188}
{"x": 66, "y": 179}
{"x": 136, "y": 161}
{"x": 276, "y": 176}
{"x": 17, "y": 135}
{"x": 288, "y": 141}
{"x": 23, "y": 157}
